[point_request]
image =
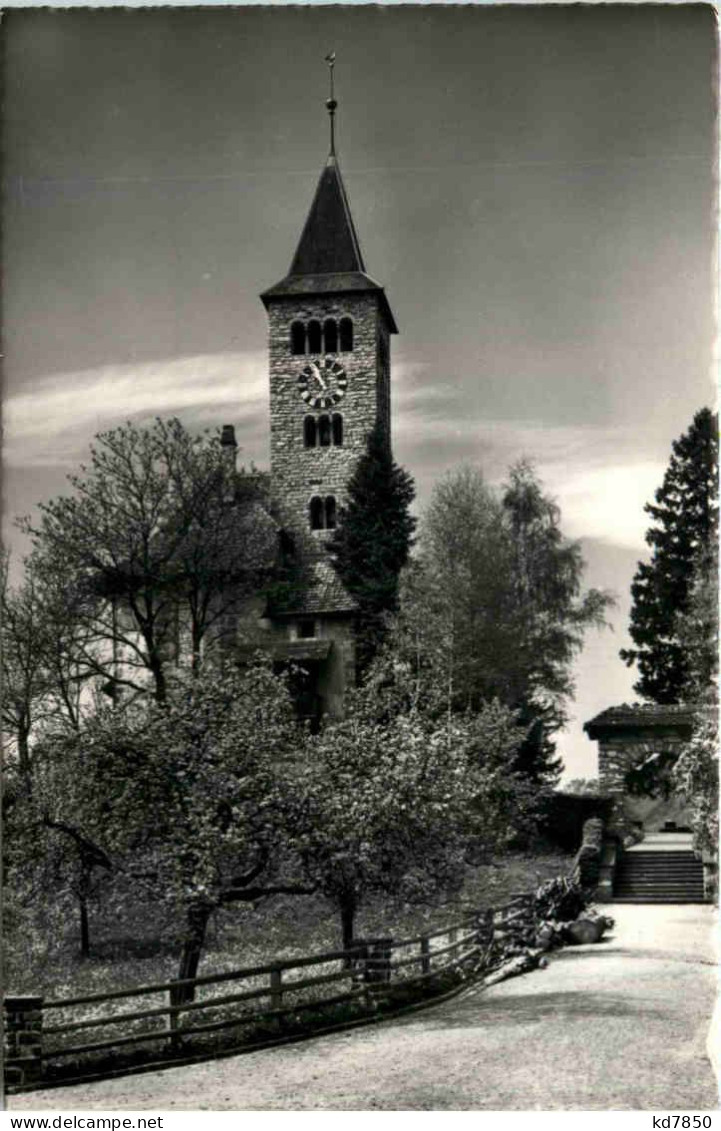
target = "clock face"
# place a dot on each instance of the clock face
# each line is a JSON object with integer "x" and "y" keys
{"x": 323, "y": 383}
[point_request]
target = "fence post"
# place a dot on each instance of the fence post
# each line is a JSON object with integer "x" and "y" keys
{"x": 425, "y": 955}
{"x": 378, "y": 965}
{"x": 23, "y": 1061}
{"x": 452, "y": 937}
{"x": 276, "y": 988}
{"x": 176, "y": 996}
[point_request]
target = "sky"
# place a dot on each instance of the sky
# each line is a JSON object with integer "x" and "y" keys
{"x": 534, "y": 187}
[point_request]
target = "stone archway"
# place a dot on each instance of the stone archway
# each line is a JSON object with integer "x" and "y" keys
{"x": 627, "y": 737}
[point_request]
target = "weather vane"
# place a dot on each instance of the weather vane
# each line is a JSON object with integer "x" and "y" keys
{"x": 331, "y": 102}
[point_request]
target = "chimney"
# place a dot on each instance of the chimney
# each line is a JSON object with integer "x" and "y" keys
{"x": 229, "y": 445}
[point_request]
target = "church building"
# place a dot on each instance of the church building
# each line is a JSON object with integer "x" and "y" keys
{"x": 330, "y": 326}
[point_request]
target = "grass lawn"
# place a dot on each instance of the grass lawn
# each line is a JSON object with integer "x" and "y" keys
{"x": 131, "y": 951}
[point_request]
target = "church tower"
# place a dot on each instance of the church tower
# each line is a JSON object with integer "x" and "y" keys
{"x": 329, "y": 352}
{"x": 329, "y": 344}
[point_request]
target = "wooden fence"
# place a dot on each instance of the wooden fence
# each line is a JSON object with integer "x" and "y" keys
{"x": 257, "y": 1002}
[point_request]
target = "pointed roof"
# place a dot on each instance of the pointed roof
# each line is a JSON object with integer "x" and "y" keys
{"x": 329, "y": 244}
{"x": 328, "y": 258}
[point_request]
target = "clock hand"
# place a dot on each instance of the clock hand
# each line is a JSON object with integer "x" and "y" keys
{"x": 317, "y": 373}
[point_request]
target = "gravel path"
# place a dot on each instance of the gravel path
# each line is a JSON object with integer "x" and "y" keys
{"x": 620, "y": 1025}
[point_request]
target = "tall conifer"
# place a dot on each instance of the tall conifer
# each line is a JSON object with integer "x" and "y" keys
{"x": 685, "y": 523}
{"x": 373, "y": 539}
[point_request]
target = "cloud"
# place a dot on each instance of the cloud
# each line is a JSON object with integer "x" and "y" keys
{"x": 52, "y": 422}
{"x": 600, "y": 474}
{"x": 607, "y": 503}
{"x": 597, "y": 473}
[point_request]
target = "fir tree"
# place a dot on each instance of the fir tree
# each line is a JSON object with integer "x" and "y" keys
{"x": 372, "y": 541}
{"x": 685, "y": 522}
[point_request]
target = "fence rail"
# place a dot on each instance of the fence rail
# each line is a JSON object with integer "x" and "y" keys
{"x": 266, "y": 995}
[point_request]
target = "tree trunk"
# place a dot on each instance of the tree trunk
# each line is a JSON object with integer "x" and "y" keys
{"x": 347, "y": 918}
{"x": 84, "y": 927}
{"x": 197, "y": 644}
{"x": 83, "y": 890}
{"x": 197, "y": 922}
{"x": 159, "y": 678}
{"x": 24, "y": 753}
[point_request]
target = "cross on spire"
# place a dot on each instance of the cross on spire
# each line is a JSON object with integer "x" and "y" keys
{"x": 331, "y": 102}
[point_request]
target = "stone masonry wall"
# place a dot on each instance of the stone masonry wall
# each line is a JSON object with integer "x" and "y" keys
{"x": 615, "y": 758}
{"x": 338, "y": 672}
{"x": 298, "y": 473}
{"x": 23, "y": 1025}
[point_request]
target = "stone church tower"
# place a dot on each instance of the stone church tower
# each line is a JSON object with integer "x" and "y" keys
{"x": 329, "y": 351}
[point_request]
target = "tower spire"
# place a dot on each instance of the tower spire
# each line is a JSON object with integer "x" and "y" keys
{"x": 331, "y": 102}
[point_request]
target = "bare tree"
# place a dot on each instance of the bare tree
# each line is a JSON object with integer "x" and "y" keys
{"x": 164, "y": 542}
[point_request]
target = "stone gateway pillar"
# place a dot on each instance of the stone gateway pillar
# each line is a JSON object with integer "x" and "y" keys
{"x": 628, "y": 737}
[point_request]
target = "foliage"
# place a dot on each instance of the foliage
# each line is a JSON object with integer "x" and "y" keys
{"x": 684, "y": 530}
{"x": 161, "y": 537}
{"x": 392, "y": 798}
{"x": 696, "y": 775}
{"x": 583, "y": 787}
{"x": 180, "y": 798}
{"x": 697, "y": 629}
{"x": 561, "y": 899}
{"x": 651, "y": 777}
{"x": 136, "y": 943}
{"x": 496, "y": 604}
{"x": 372, "y": 541}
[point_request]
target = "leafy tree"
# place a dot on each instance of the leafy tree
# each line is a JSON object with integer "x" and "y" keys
{"x": 497, "y": 601}
{"x": 180, "y": 798}
{"x": 388, "y": 799}
{"x": 552, "y": 615}
{"x": 696, "y": 775}
{"x": 685, "y": 524}
{"x": 372, "y": 541}
{"x": 162, "y": 537}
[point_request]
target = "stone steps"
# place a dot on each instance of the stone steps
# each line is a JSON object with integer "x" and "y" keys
{"x": 659, "y": 877}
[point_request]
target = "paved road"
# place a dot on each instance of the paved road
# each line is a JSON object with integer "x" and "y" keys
{"x": 620, "y": 1025}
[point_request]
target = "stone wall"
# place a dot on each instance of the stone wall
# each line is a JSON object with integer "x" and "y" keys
{"x": 23, "y": 1026}
{"x": 616, "y": 756}
{"x": 298, "y": 473}
{"x": 338, "y": 672}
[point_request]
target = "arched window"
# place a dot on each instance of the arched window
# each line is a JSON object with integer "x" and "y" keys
{"x": 346, "y": 335}
{"x": 337, "y": 429}
{"x": 317, "y": 515}
{"x": 322, "y": 513}
{"x": 330, "y": 336}
{"x": 314, "y": 337}
{"x": 324, "y": 431}
{"x": 309, "y": 432}
{"x": 297, "y": 338}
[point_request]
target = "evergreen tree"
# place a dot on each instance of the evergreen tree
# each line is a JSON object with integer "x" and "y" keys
{"x": 685, "y": 522}
{"x": 372, "y": 541}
